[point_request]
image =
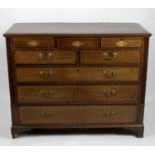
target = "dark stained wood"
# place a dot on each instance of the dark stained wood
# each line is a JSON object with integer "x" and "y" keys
{"x": 12, "y": 84}
{"x": 92, "y": 87}
{"x": 77, "y": 29}
{"x": 77, "y": 114}
{"x": 144, "y": 73}
{"x": 140, "y": 132}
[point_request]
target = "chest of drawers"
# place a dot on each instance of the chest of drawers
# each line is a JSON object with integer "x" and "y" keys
{"x": 77, "y": 75}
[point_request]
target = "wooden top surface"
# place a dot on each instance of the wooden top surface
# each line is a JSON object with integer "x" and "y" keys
{"x": 77, "y": 29}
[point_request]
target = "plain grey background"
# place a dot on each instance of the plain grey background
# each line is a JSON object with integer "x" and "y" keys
{"x": 146, "y": 17}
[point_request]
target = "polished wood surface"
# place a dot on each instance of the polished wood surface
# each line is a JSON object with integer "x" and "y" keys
{"x": 53, "y": 56}
{"x": 79, "y": 94}
{"x": 77, "y": 114}
{"x": 77, "y": 29}
{"x": 78, "y": 42}
{"x": 80, "y": 74}
{"x": 121, "y": 56}
{"x": 122, "y": 42}
{"x": 33, "y": 42}
{"x": 77, "y": 75}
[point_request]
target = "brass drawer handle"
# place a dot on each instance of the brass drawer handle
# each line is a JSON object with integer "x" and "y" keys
{"x": 49, "y": 55}
{"x": 47, "y": 114}
{"x": 77, "y": 43}
{"x": 108, "y": 113}
{"x": 109, "y": 75}
{"x": 46, "y": 93}
{"x": 109, "y": 94}
{"x": 33, "y": 43}
{"x": 41, "y": 55}
{"x": 121, "y": 43}
{"x": 109, "y": 55}
{"x": 46, "y": 74}
{"x": 44, "y": 55}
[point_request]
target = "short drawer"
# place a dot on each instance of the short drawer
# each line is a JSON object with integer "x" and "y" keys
{"x": 80, "y": 94}
{"x": 110, "y": 56}
{"x": 54, "y": 56}
{"x": 77, "y": 42}
{"x": 122, "y": 42}
{"x": 77, "y": 114}
{"x": 83, "y": 74}
{"x": 33, "y": 42}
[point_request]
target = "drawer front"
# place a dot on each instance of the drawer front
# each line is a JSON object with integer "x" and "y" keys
{"x": 33, "y": 42}
{"x": 31, "y": 94}
{"x": 110, "y": 56}
{"x": 99, "y": 74}
{"x": 77, "y": 114}
{"x": 81, "y": 94}
{"x": 78, "y": 42}
{"x": 122, "y": 42}
{"x": 45, "y": 57}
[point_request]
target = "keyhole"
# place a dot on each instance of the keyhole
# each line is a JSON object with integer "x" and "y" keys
{"x": 77, "y": 108}
{"x": 78, "y": 70}
{"x": 77, "y": 88}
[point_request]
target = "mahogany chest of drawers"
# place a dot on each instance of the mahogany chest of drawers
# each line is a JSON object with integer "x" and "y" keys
{"x": 90, "y": 75}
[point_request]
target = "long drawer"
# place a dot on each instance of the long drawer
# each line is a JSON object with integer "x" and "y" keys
{"x": 80, "y": 94}
{"x": 86, "y": 74}
{"x": 54, "y": 56}
{"x": 110, "y": 56}
{"x": 77, "y": 114}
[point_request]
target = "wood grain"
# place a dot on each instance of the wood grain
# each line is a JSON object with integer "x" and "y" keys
{"x": 26, "y": 42}
{"x": 130, "y": 42}
{"x": 67, "y": 42}
{"x": 77, "y": 114}
{"x": 109, "y": 56}
{"x": 54, "y": 56}
{"x": 78, "y": 75}
{"x": 79, "y": 94}
{"x": 97, "y": 74}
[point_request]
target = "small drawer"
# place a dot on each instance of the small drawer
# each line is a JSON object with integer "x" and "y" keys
{"x": 77, "y": 75}
{"x": 84, "y": 115}
{"x": 104, "y": 94}
{"x": 110, "y": 56}
{"x": 122, "y": 42}
{"x": 45, "y": 57}
{"x": 77, "y": 42}
{"x": 44, "y": 94}
{"x": 33, "y": 42}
